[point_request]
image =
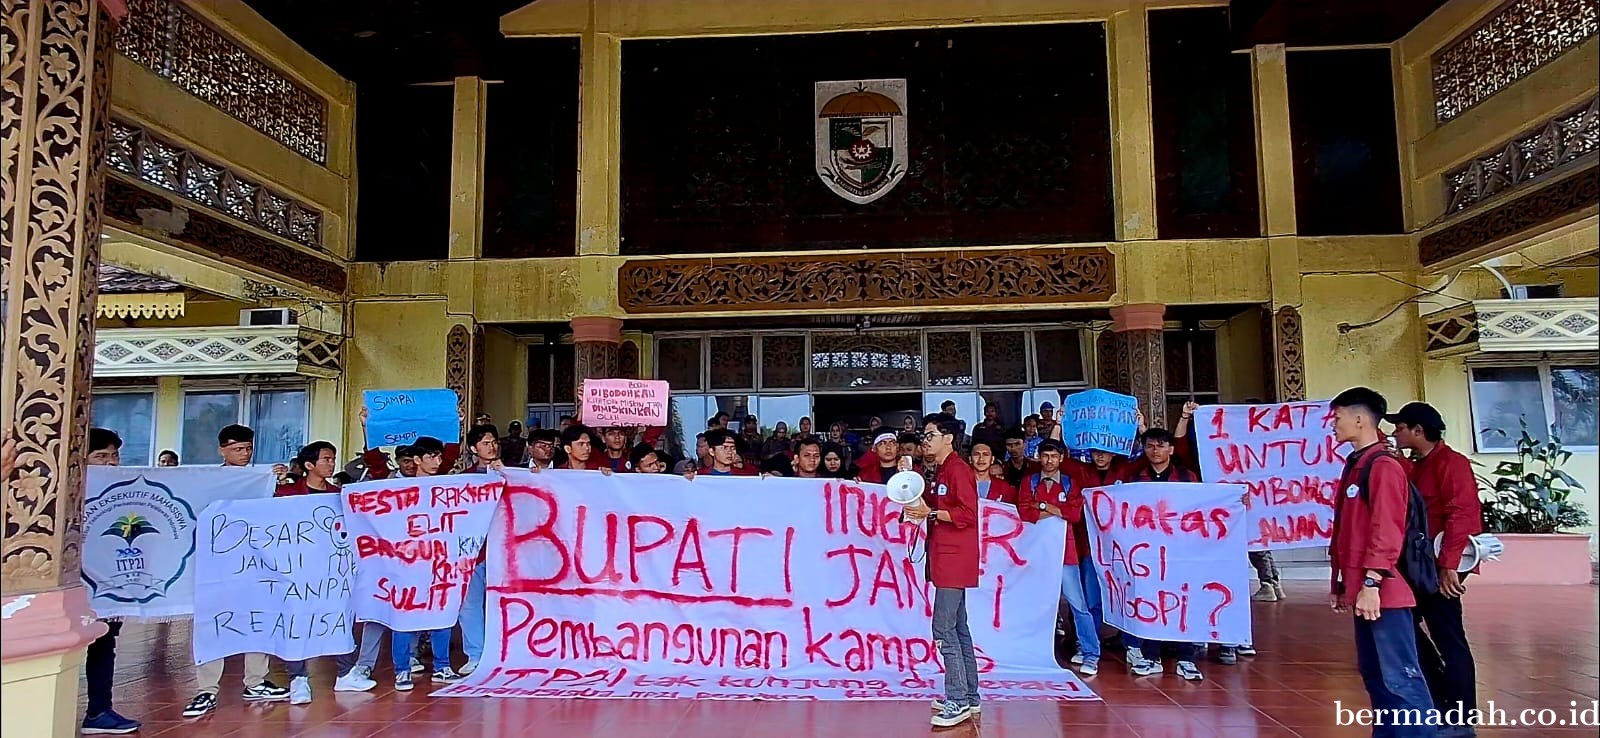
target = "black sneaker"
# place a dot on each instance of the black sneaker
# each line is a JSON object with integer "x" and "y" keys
{"x": 202, "y": 704}
{"x": 265, "y": 692}
{"x": 109, "y": 723}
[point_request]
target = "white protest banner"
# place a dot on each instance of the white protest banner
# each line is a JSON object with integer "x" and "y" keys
{"x": 1287, "y": 456}
{"x": 417, "y": 540}
{"x": 624, "y": 402}
{"x": 273, "y": 576}
{"x": 649, "y": 586}
{"x": 139, "y": 533}
{"x": 1172, "y": 560}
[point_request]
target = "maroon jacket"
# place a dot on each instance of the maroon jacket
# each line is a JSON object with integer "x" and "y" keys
{"x": 953, "y": 546}
{"x": 872, "y": 473}
{"x": 1368, "y": 533}
{"x": 1066, "y": 495}
{"x": 1450, "y": 493}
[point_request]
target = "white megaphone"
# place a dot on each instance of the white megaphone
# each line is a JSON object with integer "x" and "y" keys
{"x": 1480, "y": 548}
{"x": 905, "y": 488}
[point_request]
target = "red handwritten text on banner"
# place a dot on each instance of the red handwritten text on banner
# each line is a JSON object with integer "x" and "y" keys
{"x": 1172, "y": 560}
{"x": 1288, "y": 458}
{"x": 650, "y": 586}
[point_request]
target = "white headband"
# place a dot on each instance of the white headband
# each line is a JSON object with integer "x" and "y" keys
{"x": 884, "y": 437}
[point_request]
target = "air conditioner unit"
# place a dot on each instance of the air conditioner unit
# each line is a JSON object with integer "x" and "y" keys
{"x": 266, "y": 316}
{"x": 1534, "y": 291}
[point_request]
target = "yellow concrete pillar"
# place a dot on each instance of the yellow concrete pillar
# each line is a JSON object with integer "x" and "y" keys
{"x": 599, "y": 143}
{"x": 1269, "y": 81}
{"x": 169, "y": 414}
{"x": 58, "y": 77}
{"x": 1133, "y": 155}
{"x": 466, "y": 169}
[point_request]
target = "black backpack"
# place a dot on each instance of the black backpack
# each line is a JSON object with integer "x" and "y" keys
{"x": 1418, "y": 564}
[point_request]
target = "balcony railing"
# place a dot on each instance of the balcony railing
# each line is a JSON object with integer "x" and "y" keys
{"x": 207, "y": 351}
{"x": 1500, "y": 326}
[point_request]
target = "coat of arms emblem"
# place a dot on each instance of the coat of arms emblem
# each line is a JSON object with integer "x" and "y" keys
{"x": 861, "y": 137}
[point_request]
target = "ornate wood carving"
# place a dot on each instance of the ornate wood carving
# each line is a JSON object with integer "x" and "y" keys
{"x": 1450, "y": 331}
{"x": 592, "y": 360}
{"x": 458, "y": 369}
{"x": 56, "y": 78}
{"x": 1145, "y": 358}
{"x": 477, "y": 407}
{"x": 169, "y": 40}
{"x": 140, "y": 210}
{"x": 1519, "y": 37}
{"x": 173, "y": 167}
{"x": 835, "y": 282}
{"x": 1567, "y": 196}
{"x": 1111, "y": 361}
{"x": 1290, "y": 358}
{"x": 1532, "y": 156}
{"x": 628, "y": 360}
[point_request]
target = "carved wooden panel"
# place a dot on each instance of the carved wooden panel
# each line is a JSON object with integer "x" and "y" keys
{"x": 477, "y": 372}
{"x": 1144, "y": 355}
{"x": 1111, "y": 361}
{"x": 1290, "y": 357}
{"x": 1519, "y": 37}
{"x": 1003, "y": 358}
{"x": 169, "y": 40}
{"x": 783, "y": 362}
{"x": 458, "y": 369}
{"x": 950, "y": 359}
{"x": 678, "y": 362}
{"x": 628, "y": 360}
{"x": 846, "y": 281}
{"x": 592, "y": 360}
{"x": 1570, "y": 195}
{"x": 1450, "y": 331}
{"x": 142, "y": 211}
{"x": 732, "y": 361}
{"x": 56, "y": 77}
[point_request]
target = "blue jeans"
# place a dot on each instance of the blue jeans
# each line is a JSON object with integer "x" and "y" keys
{"x": 1386, "y": 656}
{"x": 1091, "y": 587}
{"x": 472, "y": 617}
{"x": 954, "y": 640}
{"x": 402, "y": 645}
{"x": 1083, "y": 622}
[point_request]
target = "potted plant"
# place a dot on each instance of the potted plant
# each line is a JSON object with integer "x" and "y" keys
{"x": 1527, "y": 503}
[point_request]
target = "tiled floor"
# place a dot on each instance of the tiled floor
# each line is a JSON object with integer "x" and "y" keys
{"x": 1536, "y": 648}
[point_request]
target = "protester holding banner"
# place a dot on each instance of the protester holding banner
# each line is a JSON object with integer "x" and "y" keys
{"x": 378, "y": 464}
{"x": 990, "y": 487}
{"x": 542, "y": 443}
{"x": 1048, "y": 493}
{"x": 808, "y": 458}
{"x": 100, "y": 662}
{"x": 402, "y": 643}
{"x": 724, "y": 450}
{"x": 884, "y": 461}
{"x": 1160, "y": 466}
{"x": 237, "y": 446}
{"x": 485, "y": 444}
{"x": 951, "y": 510}
{"x": 616, "y": 453}
{"x": 1369, "y": 528}
{"x": 1450, "y": 492}
{"x": 578, "y": 442}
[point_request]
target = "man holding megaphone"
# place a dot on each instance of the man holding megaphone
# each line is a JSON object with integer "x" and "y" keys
{"x": 1450, "y": 494}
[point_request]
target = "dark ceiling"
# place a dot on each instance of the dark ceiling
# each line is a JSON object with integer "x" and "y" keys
{"x": 397, "y": 41}
{"x": 410, "y": 41}
{"x": 1324, "y": 22}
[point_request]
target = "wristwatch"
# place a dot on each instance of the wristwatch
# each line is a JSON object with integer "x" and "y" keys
{"x": 1041, "y": 506}
{"x": 1371, "y": 583}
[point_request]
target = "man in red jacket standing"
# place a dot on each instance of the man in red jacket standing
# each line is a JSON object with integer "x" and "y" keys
{"x": 1450, "y": 493}
{"x": 951, "y": 507}
{"x": 1368, "y": 532}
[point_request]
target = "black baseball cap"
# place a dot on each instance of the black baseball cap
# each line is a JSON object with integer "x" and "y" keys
{"x": 1418, "y": 414}
{"x": 1051, "y": 444}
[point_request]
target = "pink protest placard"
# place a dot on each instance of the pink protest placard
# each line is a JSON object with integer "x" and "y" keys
{"x": 1288, "y": 458}
{"x": 624, "y": 402}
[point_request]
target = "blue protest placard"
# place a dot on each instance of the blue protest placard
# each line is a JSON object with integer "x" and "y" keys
{"x": 1099, "y": 420}
{"x": 396, "y": 417}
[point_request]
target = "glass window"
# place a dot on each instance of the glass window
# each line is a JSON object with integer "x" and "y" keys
{"x": 783, "y": 363}
{"x": 950, "y": 359}
{"x": 1058, "y": 357}
{"x": 732, "y": 362}
{"x": 204, "y": 415}
{"x": 773, "y": 409}
{"x": 1575, "y": 395}
{"x": 872, "y": 360}
{"x": 1004, "y": 357}
{"x": 969, "y": 407}
{"x": 1503, "y": 397}
{"x": 678, "y": 362}
{"x": 132, "y": 416}
{"x": 279, "y": 419}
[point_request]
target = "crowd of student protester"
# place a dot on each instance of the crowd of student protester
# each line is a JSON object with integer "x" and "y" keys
{"x": 1026, "y": 466}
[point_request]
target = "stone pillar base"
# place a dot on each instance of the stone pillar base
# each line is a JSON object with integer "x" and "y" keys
{"x": 42, "y": 644}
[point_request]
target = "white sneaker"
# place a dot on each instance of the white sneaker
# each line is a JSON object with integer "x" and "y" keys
{"x": 300, "y": 691}
{"x": 416, "y": 666}
{"x": 467, "y": 668}
{"x": 358, "y": 679}
{"x": 1189, "y": 671}
{"x": 1077, "y": 658}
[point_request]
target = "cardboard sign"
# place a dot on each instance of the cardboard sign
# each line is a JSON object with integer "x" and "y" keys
{"x": 273, "y": 576}
{"x": 1172, "y": 560}
{"x": 1288, "y": 458}
{"x": 416, "y": 542}
{"x": 398, "y": 417}
{"x": 1100, "y": 420}
{"x": 624, "y": 402}
{"x": 139, "y": 533}
{"x": 648, "y": 586}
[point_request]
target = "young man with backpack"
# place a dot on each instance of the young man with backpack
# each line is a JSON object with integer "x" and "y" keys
{"x": 1373, "y": 548}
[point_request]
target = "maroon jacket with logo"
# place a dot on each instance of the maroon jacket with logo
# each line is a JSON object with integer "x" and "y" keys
{"x": 1368, "y": 530}
{"x": 953, "y": 546}
{"x": 1450, "y": 493}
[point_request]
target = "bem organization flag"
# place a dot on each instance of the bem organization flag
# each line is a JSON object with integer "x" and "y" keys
{"x": 139, "y": 531}
{"x": 650, "y": 586}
